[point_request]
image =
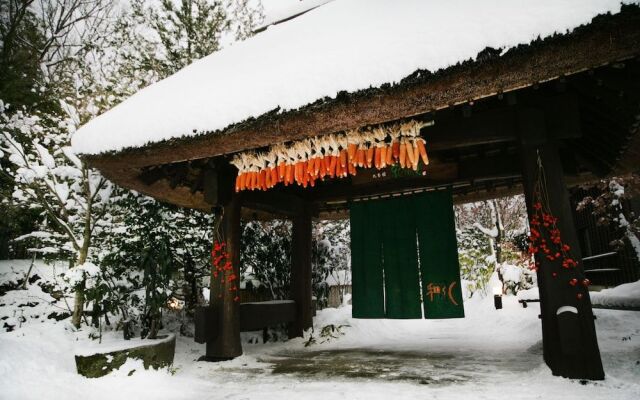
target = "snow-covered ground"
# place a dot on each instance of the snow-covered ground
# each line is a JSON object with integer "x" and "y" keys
{"x": 625, "y": 295}
{"x": 489, "y": 354}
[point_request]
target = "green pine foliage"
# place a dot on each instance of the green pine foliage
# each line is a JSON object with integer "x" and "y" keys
{"x": 474, "y": 255}
{"x": 265, "y": 257}
{"x": 490, "y": 240}
{"x": 61, "y": 64}
{"x": 181, "y": 32}
{"x": 21, "y": 37}
{"x": 156, "y": 249}
{"x": 331, "y": 258}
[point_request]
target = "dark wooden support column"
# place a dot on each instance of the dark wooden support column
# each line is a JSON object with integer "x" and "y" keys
{"x": 225, "y": 311}
{"x": 569, "y": 340}
{"x": 301, "y": 272}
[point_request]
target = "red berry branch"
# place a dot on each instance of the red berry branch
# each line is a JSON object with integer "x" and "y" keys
{"x": 223, "y": 268}
{"x": 544, "y": 225}
{"x": 545, "y": 238}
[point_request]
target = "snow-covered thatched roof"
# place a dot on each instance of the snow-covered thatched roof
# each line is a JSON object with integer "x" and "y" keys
{"x": 278, "y": 11}
{"x": 342, "y": 46}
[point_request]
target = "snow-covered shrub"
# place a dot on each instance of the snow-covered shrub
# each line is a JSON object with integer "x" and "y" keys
{"x": 95, "y": 56}
{"x": 321, "y": 268}
{"x": 265, "y": 256}
{"x": 516, "y": 277}
{"x": 158, "y": 267}
{"x": 31, "y": 293}
{"x": 476, "y": 263}
{"x": 610, "y": 209}
{"x": 154, "y": 251}
{"x": 331, "y": 257}
{"x": 490, "y": 235}
{"x": 70, "y": 198}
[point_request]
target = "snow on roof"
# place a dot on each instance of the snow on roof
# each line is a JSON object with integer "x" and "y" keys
{"x": 280, "y": 10}
{"x": 345, "y": 45}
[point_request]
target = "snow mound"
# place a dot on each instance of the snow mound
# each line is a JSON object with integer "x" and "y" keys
{"x": 345, "y": 45}
{"x": 625, "y": 295}
{"x": 31, "y": 304}
{"x": 529, "y": 294}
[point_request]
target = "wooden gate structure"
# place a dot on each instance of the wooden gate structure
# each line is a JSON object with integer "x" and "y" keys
{"x": 570, "y": 101}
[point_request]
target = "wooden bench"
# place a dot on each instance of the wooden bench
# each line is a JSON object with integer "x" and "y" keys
{"x": 524, "y": 302}
{"x": 599, "y": 306}
{"x": 254, "y": 316}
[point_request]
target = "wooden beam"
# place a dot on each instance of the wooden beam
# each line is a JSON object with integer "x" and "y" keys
{"x": 480, "y": 195}
{"x": 562, "y": 116}
{"x": 301, "y": 274}
{"x": 274, "y": 202}
{"x": 500, "y": 124}
{"x": 370, "y": 183}
{"x": 258, "y": 315}
{"x": 449, "y": 132}
{"x": 488, "y": 167}
{"x": 630, "y": 160}
{"x": 226, "y": 343}
{"x": 218, "y": 182}
{"x": 570, "y": 345}
{"x": 152, "y": 174}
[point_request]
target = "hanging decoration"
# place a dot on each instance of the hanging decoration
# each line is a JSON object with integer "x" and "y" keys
{"x": 545, "y": 238}
{"x": 334, "y": 156}
{"x": 222, "y": 270}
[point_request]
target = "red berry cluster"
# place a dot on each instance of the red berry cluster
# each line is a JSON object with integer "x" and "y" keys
{"x": 545, "y": 240}
{"x": 223, "y": 269}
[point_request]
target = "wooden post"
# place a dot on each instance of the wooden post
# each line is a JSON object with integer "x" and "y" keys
{"x": 226, "y": 312}
{"x": 301, "y": 273}
{"x": 569, "y": 340}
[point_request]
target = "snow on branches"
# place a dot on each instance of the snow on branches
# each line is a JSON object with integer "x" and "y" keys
{"x": 609, "y": 207}
{"x": 490, "y": 235}
{"x": 50, "y": 178}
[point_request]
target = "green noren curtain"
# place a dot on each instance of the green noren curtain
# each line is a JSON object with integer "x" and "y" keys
{"x": 366, "y": 266}
{"x": 439, "y": 255}
{"x": 394, "y": 243}
{"x": 400, "y": 258}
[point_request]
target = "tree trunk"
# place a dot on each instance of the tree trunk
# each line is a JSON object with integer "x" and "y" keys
{"x": 78, "y": 307}
{"x": 301, "y": 273}
{"x": 153, "y": 329}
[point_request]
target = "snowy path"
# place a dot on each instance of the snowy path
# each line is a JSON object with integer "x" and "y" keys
{"x": 488, "y": 355}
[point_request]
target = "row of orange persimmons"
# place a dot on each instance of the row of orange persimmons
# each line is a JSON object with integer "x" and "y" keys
{"x": 334, "y": 156}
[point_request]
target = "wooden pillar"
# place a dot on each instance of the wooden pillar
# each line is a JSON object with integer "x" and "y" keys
{"x": 301, "y": 273}
{"x": 225, "y": 310}
{"x": 569, "y": 339}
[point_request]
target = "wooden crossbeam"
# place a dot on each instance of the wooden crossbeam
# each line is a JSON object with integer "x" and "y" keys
{"x": 274, "y": 202}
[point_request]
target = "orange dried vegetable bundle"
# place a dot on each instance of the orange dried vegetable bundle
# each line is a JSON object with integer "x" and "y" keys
{"x": 308, "y": 161}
